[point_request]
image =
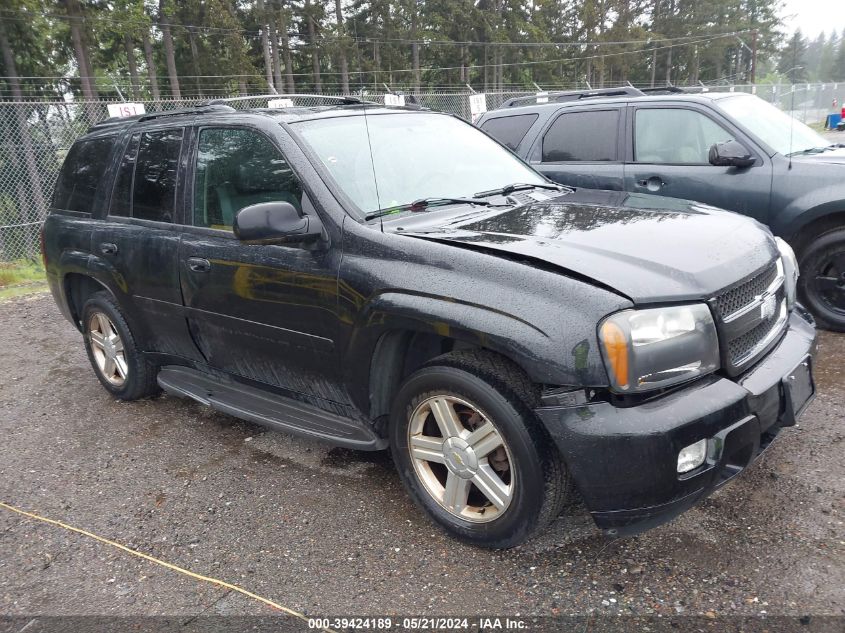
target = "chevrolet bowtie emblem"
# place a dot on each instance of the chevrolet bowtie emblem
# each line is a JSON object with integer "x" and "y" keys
{"x": 767, "y": 307}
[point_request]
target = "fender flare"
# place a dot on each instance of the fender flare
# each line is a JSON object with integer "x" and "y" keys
{"x": 524, "y": 343}
{"x": 809, "y": 209}
{"x": 99, "y": 271}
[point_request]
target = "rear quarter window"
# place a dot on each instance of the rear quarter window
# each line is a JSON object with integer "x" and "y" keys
{"x": 82, "y": 174}
{"x": 509, "y": 130}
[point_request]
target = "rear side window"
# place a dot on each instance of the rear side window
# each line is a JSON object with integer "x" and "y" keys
{"x": 154, "y": 189}
{"x": 145, "y": 186}
{"x": 81, "y": 173}
{"x": 582, "y": 136}
{"x": 509, "y": 130}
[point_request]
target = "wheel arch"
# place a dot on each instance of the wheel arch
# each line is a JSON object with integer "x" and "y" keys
{"x": 400, "y": 352}
{"x": 396, "y": 325}
{"x": 77, "y": 288}
{"x": 811, "y": 224}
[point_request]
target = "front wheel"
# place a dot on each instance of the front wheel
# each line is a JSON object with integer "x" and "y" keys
{"x": 471, "y": 453}
{"x": 821, "y": 285}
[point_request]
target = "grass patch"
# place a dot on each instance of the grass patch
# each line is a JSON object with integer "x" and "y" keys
{"x": 21, "y": 277}
{"x": 8, "y": 292}
{"x": 21, "y": 271}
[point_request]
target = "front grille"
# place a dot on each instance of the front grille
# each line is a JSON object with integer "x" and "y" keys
{"x": 743, "y": 345}
{"x": 734, "y": 300}
{"x": 744, "y": 326}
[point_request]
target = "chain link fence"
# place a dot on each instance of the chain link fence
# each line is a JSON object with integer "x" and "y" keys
{"x": 35, "y": 137}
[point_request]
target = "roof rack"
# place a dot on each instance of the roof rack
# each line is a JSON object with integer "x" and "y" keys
{"x": 118, "y": 120}
{"x": 664, "y": 90}
{"x": 343, "y": 100}
{"x": 199, "y": 109}
{"x": 575, "y": 95}
{"x": 221, "y": 105}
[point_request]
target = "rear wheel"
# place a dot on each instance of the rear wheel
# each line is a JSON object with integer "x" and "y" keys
{"x": 119, "y": 365}
{"x": 471, "y": 453}
{"x": 821, "y": 284}
{"x": 107, "y": 349}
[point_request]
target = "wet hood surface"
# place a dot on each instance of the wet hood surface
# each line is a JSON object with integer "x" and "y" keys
{"x": 648, "y": 248}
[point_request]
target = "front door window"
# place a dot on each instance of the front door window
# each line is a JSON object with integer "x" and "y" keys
{"x": 674, "y": 136}
{"x": 235, "y": 169}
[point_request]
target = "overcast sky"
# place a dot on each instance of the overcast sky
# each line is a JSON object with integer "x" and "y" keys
{"x": 814, "y": 16}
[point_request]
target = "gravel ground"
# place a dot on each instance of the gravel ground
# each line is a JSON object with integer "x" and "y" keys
{"x": 331, "y": 532}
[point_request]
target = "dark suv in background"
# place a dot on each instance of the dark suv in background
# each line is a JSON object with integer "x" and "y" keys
{"x": 388, "y": 277}
{"x": 730, "y": 150}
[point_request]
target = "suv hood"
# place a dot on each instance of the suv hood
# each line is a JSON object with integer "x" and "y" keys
{"x": 648, "y": 248}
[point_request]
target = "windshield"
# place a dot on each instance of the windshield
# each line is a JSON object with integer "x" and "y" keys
{"x": 415, "y": 155}
{"x": 771, "y": 125}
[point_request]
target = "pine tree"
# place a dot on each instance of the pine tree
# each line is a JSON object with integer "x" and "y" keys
{"x": 793, "y": 59}
{"x": 76, "y": 19}
{"x": 222, "y": 47}
{"x": 170, "y": 55}
{"x": 826, "y": 59}
{"x": 838, "y": 72}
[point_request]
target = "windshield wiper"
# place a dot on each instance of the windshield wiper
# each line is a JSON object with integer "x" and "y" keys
{"x": 519, "y": 186}
{"x": 422, "y": 204}
{"x": 812, "y": 150}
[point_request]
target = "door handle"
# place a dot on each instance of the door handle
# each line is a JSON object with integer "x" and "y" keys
{"x": 107, "y": 248}
{"x": 199, "y": 265}
{"x": 655, "y": 183}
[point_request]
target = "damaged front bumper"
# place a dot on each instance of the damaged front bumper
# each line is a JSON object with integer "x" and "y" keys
{"x": 624, "y": 459}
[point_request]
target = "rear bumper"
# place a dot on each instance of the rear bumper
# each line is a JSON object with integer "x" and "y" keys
{"x": 624, "y": 460}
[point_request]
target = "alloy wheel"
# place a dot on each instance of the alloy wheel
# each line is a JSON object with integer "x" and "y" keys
{"x": 107, "y": 346}
{"x": 461, "y": 459}
{"x": 829, "y": 282}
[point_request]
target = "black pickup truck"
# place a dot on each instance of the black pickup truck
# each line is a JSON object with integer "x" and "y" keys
{"x": 390, "y": 277}
{"x": 727, "y": 149}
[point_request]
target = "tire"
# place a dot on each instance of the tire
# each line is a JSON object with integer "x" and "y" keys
{"x": 129, "y": 375}
{"x": 480, "y": 388}
{"x": 821, "y": 284}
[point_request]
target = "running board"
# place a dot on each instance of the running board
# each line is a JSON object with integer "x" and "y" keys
{"x": 269, "y": 409}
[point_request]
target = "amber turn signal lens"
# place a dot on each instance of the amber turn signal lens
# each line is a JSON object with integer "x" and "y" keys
{"x": 616, "y": 350}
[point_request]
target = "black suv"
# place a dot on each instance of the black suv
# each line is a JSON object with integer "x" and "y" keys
{"x": 730, "y": 150}
{"x": 378, "y": 277}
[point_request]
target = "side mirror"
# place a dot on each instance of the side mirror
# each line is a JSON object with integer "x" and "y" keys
{"x": 275, "y": 223}
{"x": 730, "y": 154}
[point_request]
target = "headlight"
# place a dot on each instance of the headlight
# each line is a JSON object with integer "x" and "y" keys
{"x": 650, "y": 349}
{"x": 790, "y": 270}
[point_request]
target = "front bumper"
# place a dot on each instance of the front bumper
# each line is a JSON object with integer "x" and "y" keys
{"x": 624, "y": 460}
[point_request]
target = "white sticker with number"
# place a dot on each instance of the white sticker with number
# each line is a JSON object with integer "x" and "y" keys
{"x": 394, "y": 100}
{"x": 126, "y": 109}
{"x": 477, "y": 104}
{"x": 280, "y": 103}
